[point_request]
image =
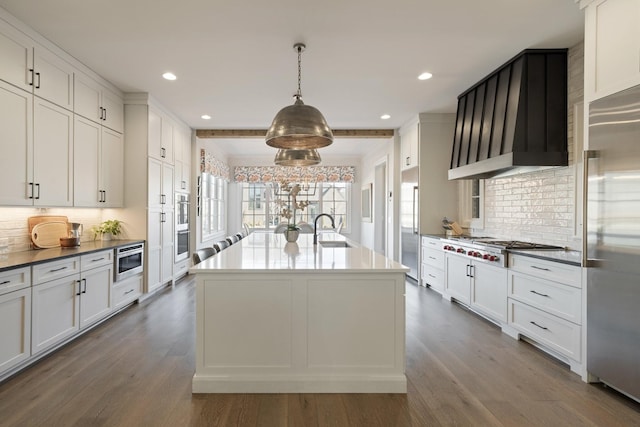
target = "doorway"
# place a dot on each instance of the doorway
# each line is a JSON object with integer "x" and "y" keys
{"x": 380, "y": 208}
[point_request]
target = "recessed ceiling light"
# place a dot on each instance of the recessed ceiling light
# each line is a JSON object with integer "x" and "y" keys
{"x": 206, "y": 117}
{"x": 385, "y": 117}
{"x": 169, "y": 76}
{"x": 425, "y": 76}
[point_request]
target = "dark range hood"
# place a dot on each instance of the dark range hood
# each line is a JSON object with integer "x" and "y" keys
{"x": 515, "y": 119}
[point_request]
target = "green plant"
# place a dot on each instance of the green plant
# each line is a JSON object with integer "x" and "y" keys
{"x": 111, "y": 226}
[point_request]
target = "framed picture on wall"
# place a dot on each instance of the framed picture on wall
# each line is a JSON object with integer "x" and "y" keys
{"x": 367, "y": 212}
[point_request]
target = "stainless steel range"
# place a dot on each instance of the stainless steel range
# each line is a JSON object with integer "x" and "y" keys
{"x": 489, "y": 250}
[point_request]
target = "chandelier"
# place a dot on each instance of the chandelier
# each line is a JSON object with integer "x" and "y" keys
{"x": 299, "y": 127}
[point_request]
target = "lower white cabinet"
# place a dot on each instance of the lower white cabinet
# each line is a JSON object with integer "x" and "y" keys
{"x": 56, "y": 312}
{"x": 126, "y": 291}
{"x": 481, "y": 286}
{"x": 15, "y": 317}
{"x": 61, "y": 306}
{"x": 545, "y": 305}
{"x": 432, "y": 263}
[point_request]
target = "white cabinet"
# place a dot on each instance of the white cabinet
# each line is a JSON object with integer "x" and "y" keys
{"x": 481, "y": 286}
{"x": 432, "y": 265}
{"x": 16, "y": 144}
{"x": 55, "y": 311}
{"x": 33, "y": 68}
{"x": 612, "y": 47}
{"x": 97, "y": 103}
{"x": 160, "y": 137}
{"x": 16, "y": 51}
{"x": 409, "y": 138}
{"x": 182, "y": 155}
{"x": 68, "y": 295}
{"x": 37, "y": 151}
{"x": 160, "y": 240}
{"x": 98, "y": 165}
{"x": 545, "y": 304}
{"x": 52, "y": 78}
{"x": 15, "y": 317}
{"x": 126, "y": 291}
{"x": 52, "y": 183}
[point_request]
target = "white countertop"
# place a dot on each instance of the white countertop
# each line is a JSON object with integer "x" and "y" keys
{"x": 268, "y": 252}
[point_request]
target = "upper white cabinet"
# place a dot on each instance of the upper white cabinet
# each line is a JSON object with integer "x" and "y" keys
{"x": 52, "y": 78}
{"x": 182, "y": 156}
{"x": 16, "y": 51}
{"x": 33, "y": 68}
{"x": 160, "y": 137}
{"x": 52, "y": 155}
{"x": 612, "y": 47}
{"x": 97, "y": 103}
{"x": 409, "y": 137}
{"x": 98, "y": 165}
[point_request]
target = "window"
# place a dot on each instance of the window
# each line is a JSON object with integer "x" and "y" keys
{"x": 472, "y": 203}
{"x": 260, "y": 211}
{"x": 213, "y": 196}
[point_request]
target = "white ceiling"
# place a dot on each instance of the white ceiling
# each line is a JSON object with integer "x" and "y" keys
{"x": 235, "y": 60}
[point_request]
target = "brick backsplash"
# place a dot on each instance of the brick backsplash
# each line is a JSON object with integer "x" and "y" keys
{"x": 540, "y": 206}
{"x": 14, "y": 231}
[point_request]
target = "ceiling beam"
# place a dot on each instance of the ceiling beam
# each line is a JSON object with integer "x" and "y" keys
{"x": 260, "y": 133}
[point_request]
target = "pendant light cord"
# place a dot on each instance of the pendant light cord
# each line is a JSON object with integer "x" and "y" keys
{"x": 299, "y": 95}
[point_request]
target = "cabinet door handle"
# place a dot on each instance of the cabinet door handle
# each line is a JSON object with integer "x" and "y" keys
{"x": 85, "y": 286}
{"x": 38, "y": 187}
{"x": 535, "y": 324}
{"x": 407, "y": 161}
{"x": 57, "y": 269}
{"x": 104, "y": 196}
{"x": 467, "y": 270}
{"x": 183, "y": 184}
{"x": 38, "y": 85}
{"x": 5, "y": 282}
{"x": 100, "y": 113}
{"x": 79, "y": 287}
{"x": 540, "y": 268}
{"x": 471, "y": 268}
{"x": 538, "y": 293}
{"x": 163, "y": 152}
{"x": 32, "y": 190}
{"x": 32, "y": 76}
{"x": 105, "y": 114}
{"x": 162, "y": 217}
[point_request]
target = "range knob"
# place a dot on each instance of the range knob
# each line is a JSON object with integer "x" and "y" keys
{"x": 460, "y": 250}
{"x": 485, "y": 256}
{"x": 477, "y": 255}
{"x": 471, "y": 253}
{"x": 493, "y": 258}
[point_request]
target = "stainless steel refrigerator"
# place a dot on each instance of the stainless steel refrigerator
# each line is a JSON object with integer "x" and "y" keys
{"x": 612, "y": 238}
{"x": 409, "y": 217}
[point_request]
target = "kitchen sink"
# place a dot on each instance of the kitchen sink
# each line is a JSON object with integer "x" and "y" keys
{"x": 334, "y": 244}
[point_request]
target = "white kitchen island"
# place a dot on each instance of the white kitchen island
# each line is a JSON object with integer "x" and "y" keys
{"x": 277, "y": 317}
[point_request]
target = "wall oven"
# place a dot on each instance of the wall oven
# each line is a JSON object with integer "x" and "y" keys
{"x": 182, "y": 227}
{"x": 129, "y": 261}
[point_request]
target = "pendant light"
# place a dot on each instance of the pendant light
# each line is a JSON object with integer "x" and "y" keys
{"x": 299, "y": 126}
{"x": 297, "y": 157}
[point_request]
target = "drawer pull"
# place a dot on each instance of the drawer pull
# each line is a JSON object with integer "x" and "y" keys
{"x": 5, "y": 282}
{"x": 96, "y": 260}
{"x": 538, "y": 293}
{"x": 432, "y": 276}
{"x": 129, "y": 291}
{"x": 57, "y": 269}
{"x": 540, "y": 268}
{"x": 535, "y": 324}
{"x": 431, "y": 257}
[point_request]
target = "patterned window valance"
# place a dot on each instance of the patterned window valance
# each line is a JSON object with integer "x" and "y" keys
{"x": 213, "y": 166}
{"x": 294, "y": 174}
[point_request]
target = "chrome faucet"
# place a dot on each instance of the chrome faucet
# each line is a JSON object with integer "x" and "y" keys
{"x": 315, "y": 226}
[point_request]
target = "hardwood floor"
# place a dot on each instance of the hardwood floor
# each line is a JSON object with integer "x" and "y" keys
{"x": 136, "y": 369}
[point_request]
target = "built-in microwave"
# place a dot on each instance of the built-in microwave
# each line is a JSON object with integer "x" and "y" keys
{"x": 182, "y": 245}
{"x": 129, "y": 261}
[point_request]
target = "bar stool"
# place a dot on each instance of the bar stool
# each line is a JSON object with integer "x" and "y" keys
{"x": 221, "y": 245}
{"x": 202, "y": 254}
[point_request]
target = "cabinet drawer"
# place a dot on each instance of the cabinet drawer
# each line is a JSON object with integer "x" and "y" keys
{"x": 431, "y": 242}
{"x": 53, "y": 270}
{"x": 433, "y": 257}
{"x": 96, "y": 259}
{"x": 13, "y": 280}
{"x": 555, "y": 298}
{"x": 556, "y": 271}
{"x": 551, "y": 331}
{"x": 433, "y": 277}
{"x": 127, "y": 290}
